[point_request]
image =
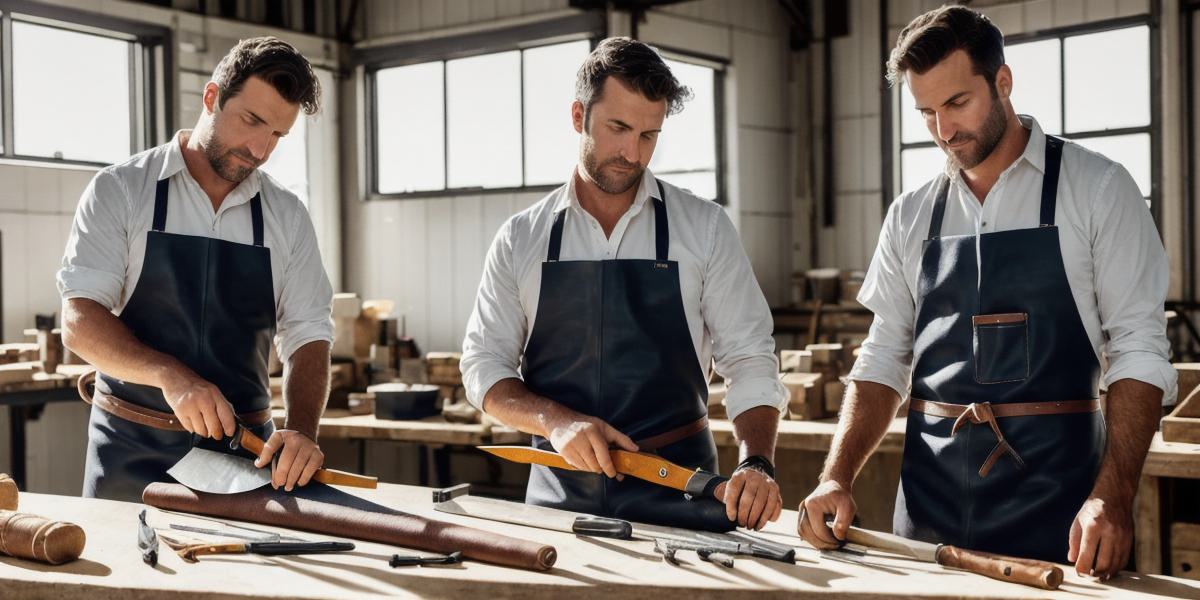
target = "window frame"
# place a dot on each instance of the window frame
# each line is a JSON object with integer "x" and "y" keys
{"x": 719, "y": 67}
{"x": 151, "y": 101}
{"x": 1154, "y": 128}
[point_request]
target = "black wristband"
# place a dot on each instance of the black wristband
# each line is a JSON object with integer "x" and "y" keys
{"x": 758, "y": 462}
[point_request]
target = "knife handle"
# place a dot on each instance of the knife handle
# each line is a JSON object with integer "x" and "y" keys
{"x": 602, "y": 527}
{"x": 194, "y": 552}
{"x": 332, "y": 477}
{"x": 1034, "y": 573}
{"x": 293, "y": 548}
{"x": 773, "y": 552}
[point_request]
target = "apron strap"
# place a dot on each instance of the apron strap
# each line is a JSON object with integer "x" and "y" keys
{"x": 939, "y": 208}
{"x": 257, "y": 219}
{"x": 160, "y": 204}
{"x": 1054, "y": 148}
{"x": 662, "y": 236}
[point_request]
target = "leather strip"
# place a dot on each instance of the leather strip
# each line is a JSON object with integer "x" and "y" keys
{"x": 979, "y": 413}
{"x": 999, "y": 319}
{"x": 672, "y": 436}
{"x": 147, "y": 416}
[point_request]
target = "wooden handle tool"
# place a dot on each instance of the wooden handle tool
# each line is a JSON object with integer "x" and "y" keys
{"x": 254, "y": 444}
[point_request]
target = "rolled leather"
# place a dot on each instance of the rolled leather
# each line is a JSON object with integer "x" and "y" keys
{"x": 322, "y": 509}
{"x": 37, "y": 538}
{"x": 8, "y": 492}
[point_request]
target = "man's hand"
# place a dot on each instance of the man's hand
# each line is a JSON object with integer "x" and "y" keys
{"x": 830, "y": 498}
{"x": 299, "y": 458}
{"x": 1101, "y": 537}
{"x": 200, "y": 406}
{"x": 752, "y": 498}
{"x": 584, "y": 442}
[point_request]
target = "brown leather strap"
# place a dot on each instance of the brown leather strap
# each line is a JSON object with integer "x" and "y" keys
{"x": 147, "y": 416}
{"x": 667, "y": 438}
{"x": 985, "y": 412}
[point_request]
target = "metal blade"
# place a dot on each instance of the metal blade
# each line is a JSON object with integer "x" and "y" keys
{"x": 217, "y": 473}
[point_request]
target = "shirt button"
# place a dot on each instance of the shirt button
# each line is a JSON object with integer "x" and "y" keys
{"x": 985, "y": 223}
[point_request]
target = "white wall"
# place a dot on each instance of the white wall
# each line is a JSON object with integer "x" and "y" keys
{"x": 427, "y": 254}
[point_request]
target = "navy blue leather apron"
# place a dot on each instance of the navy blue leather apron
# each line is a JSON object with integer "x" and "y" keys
{"x": 999, "y": 334}
{"x": 611, "y": 340}
{"x": 209, "y": 303}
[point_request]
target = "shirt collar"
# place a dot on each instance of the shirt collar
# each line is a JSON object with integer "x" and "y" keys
{"x": 173, "y": 164}
{"x": 647, "y": 188}
{"x": 1035, "y": 149}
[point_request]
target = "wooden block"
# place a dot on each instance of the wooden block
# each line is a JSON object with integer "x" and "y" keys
{"x": 802, "y": 403}
{"x": 443, "y": 358}
{"x": 1185, "y": 550}
{"x": 361, "y": 403}
{"x": 8, "y": 492}
{"x": 341, "y": 376}
{"x": 343, "y": 337}
{"x": 1183, "y": 424}
{"x": 795, "y": 361}
{"x": 825, "y": 354}
{"x": 833, "y": 392}
{"x": 15, "y": 372}
{"x": 381, "y": 356}
{"x": 1189, "y": 377}
{"x": 413, "y": 370}
{"x": 461, "y": 412}
{"x": 346, "y": 306}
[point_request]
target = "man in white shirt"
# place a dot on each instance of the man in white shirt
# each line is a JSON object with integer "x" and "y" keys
{"x": 182, "y": 265}
{"x": 612, "y": 295}
{"x": 996, "y": 289}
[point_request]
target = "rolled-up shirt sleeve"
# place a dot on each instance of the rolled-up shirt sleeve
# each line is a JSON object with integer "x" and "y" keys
{"x": 738, "y": 319}
{"x": 1131, "y": 279}
{"x": 97, "y": 252}
{"x": 497, "y": 328}
{"x": 886, "y": 354}
{"x": 304, "y": 312}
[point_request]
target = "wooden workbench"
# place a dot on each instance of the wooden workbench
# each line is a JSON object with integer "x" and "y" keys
{"x": 586, "y": 568}
{"x": 1165, "y": 460}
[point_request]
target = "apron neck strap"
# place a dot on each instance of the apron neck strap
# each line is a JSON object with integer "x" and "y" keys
{"x": 662, "y": 237}
{"x": 1054, "y": 148}
{"x": 162, "y": 190}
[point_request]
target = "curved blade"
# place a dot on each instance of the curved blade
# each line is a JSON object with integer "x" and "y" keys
{"x": 218, "y": 473}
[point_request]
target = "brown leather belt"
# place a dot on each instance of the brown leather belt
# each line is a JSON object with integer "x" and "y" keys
{"x": 986, "y": 412}
{"x": 147, "y": 416}
{"x": 667, "y": 438}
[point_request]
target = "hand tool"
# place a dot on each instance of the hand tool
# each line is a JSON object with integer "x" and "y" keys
{"x": 193, "y": 552}
{"x": 147, "y": 540}
{"x": 263, "y": 537}
{"x": 697, "y": 483}
{"x": 437, "y": 559}
{"x": 715, "y": 556}
{"x": 458, "y": 500}
{"x": 1033, "y": 573}
{"x": 227, "y": 466}
{"x": 602, "y": 527}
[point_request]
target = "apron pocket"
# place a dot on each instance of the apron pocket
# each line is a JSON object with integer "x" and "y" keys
{"x": 1001, "y": 347}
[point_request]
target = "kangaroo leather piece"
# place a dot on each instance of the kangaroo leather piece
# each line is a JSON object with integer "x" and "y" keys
{"x": 322, "y": 509}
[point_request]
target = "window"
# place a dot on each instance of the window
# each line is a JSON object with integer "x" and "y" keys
{"x": 76, "y": 93}
{"x": 491, "y": 121}
{"x": 1066, "y": 82}
{"x": 288, "y": 163}
{"x": 502, "y": 120}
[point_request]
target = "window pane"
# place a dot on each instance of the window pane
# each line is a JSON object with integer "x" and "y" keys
{"x": 484, "y": 115}
{"x": 551, "y": 144}
{"x": 1037, "y": 76}
{"x": 912, "y": 124}
{"x": 700, "y": 183}
{"x": 52, "y": 115}
{"x": 688, "y": 139}
{"x": 1108, "y": 79}
{"x": 1132, "y": 151}
{"x": 410, "y": 128}
{"x": 919, "y": 165}
{"x": 289, "y": 161}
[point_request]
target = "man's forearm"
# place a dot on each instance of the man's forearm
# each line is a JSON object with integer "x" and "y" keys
{"x": 1132, "y": 418}
{"x": 306, "y": 387}
{"x": 755, "y": 431}
{"x": 103, "y": 341}
{"x": 511, "y": 403}
{"x": 867, "y": 411}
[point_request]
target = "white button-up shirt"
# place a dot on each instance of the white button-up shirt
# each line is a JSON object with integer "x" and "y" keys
{"x": 107, "y": 246}
{"x": 726, "y": 312}
{"x": 1114, "y": 259}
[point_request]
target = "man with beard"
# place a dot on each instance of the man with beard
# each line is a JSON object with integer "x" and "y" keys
{"x": 602, "y": 306}
{"x": 996, "y": 288}
{"x": 183, "y": 264}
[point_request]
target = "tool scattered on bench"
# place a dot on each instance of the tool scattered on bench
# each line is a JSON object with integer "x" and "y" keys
{"x": 458, "y": 500}
{"x": 147, "y": 540}
{"x": 262, "y": 537}
{"x": 33, "y": 537}
{"x": 398, "y": 560}
{"x": 193, "y": 552}
{"x": 227, "y": 466}
{"x": 1025, "y": 571}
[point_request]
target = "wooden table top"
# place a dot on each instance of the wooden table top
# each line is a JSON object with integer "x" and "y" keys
{"x": 586, "y": 568}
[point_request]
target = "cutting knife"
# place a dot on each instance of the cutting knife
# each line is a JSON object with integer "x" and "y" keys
{"x": 648, "y": 467}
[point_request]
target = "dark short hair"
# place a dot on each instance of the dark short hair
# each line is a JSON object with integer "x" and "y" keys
{"x": 936, "y": 34}
{"x": 637, "y": 65}
{"x": 276, "y": 62}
